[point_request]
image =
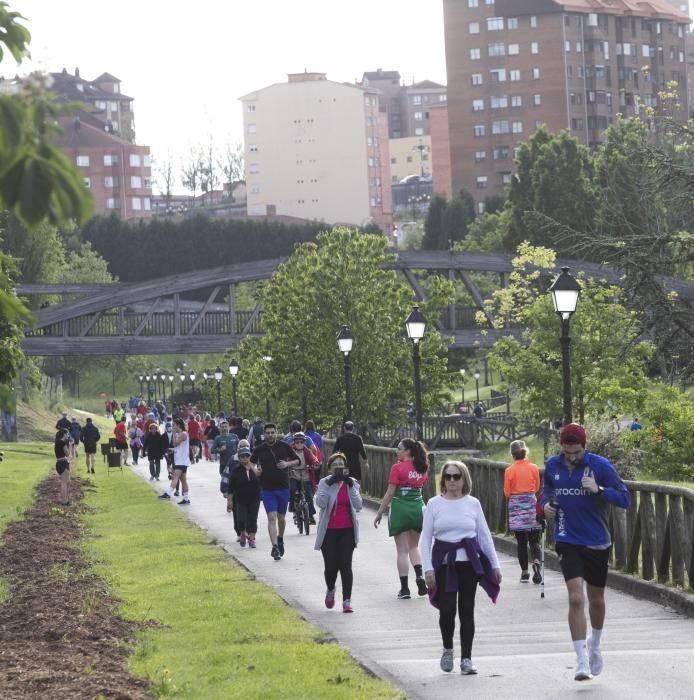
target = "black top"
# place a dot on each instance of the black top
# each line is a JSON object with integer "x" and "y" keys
{"x": 63, "y": 424}
{"x": 59, "y": 446}
{"x": 351, "y": 445}
{"x": 90, "y": 436}
{"x": 244, "y": 484}
{"x": 154, "y": 445}
{"x": 272, "y": 477}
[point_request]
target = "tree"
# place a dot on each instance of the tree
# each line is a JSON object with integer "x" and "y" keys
{"x": 434, "y": 233}
{"x": 192, "y": 173}
{"x": 553, "y": 178}
{"x": 486, "y": 234}
{"x": 457, "y": 217}
{"x": 494, "y": 203}
{"x": 231, "y": 163}
{"x": 166, "y": 178}
{"x": 607, "y": 359}
{"x": 210, "y": 175}
{"x": 339, "y": 280}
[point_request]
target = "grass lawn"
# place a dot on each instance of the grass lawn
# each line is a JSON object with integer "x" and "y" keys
{"x": 217, "y": 632}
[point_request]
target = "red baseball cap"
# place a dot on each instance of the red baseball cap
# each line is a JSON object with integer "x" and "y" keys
{"x": 572, "y": 434}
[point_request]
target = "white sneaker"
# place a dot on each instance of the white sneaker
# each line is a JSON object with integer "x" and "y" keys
{"x": 594, "y": 659}
{"x": 582, "y": 672}
{"x": 447, "y": 660}
{"x": 467, "y": 668}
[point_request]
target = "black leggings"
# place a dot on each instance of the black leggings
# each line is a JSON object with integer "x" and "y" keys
{"x": 467, "y": 587}
{"x": 154, "y": 467}
{"x": 337, "y": 548}
{"x": 523, "y": 538}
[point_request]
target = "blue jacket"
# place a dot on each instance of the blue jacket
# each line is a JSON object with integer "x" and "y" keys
{"x": 582, "y": 516}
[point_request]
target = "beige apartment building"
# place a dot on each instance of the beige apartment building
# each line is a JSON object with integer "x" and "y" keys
{"x": 317, "y": 149}
{"x": 514, "y": 65}
{"x": 409, "y": 156}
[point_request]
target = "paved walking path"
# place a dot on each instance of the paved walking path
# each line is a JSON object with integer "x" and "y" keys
{"x": 522, "y": 646}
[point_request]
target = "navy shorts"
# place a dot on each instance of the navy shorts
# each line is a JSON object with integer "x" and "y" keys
{"x": 275, "y": 501}
{"x": 181, "y": 467}
{"x": 582, "y": 562}
{"x": 62, "y": 465}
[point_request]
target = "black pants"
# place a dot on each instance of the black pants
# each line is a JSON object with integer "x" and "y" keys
{"x": 337, "y": 549}
{"x": 523, "y": 538}
{"x": 246, "y": 516}
{"x": 154, "y": 467}
{"x": 465, "y": 595}
{"x": 136, "y": 452}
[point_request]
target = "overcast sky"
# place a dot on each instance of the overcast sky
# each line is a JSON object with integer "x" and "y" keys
{"x": 187, "y": 63}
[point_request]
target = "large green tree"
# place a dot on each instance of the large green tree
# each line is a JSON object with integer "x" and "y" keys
{"x": 339, "y": 280}
{"x": 607, "y": 359}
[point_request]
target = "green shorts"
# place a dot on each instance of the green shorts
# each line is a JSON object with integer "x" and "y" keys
{"x": 406, "y": 511}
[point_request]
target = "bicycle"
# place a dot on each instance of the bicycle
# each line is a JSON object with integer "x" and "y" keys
{"x": 301, "y": 513}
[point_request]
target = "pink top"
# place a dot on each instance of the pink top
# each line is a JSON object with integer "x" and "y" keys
{"x": 404, "y": 474}
{"x": 341, "y": 516}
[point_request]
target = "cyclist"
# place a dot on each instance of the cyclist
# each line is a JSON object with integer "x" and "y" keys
{"x": 303, "y": 476}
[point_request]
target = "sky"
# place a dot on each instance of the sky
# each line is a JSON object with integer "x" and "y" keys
{"x": 186, "y": 64}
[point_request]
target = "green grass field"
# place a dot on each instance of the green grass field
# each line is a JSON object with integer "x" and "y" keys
{"x": 218, "y": 633}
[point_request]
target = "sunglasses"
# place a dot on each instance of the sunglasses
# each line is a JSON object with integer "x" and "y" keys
{"x": 452, "y": 477}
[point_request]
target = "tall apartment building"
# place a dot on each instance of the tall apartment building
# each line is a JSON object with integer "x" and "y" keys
{"x": 516, "y": 64}
{"x": 407, "y": 105}
{"x": 317, "y": 149}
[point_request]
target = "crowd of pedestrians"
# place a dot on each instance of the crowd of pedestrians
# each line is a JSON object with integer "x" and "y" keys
{"x": 446, "y": 541}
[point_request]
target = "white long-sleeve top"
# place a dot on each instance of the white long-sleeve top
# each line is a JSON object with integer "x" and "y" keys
{"x": 452, "y": 521}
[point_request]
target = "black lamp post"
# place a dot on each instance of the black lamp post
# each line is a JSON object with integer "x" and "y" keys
{"x": 345, "y": 340}
{"x": 233, "y": 371}
{"x": 192, "y": 381}
{"x": 462, "y": 380}
{"x": 477, "y": 384}
{"x": 142, "y": 379}
{"x": 183, "y": 382}
{"x": 267, "y": 359}
{"x": 149, "y": 389}
{"x": 218, "y": 375}
{"x": 162, "y": 376}
{"x": 416, "y": 325}
{"x": 565, "y": 292}
{"x": 171, "y": 388}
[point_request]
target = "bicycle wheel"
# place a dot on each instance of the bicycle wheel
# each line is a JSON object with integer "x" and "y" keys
{"x": 299, "y": 517}
{"x": 305, "y": 517}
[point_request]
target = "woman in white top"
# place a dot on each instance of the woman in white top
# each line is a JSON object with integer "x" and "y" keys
{"x": 181, "y": 462}
{"x": 455, "y": 524}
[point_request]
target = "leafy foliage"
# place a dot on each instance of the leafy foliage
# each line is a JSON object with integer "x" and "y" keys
{"x": 339, "y": 280}
{"x": 447, "y": 222}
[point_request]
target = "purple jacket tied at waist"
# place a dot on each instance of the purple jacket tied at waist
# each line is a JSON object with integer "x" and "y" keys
{"x": 480, "y": 565}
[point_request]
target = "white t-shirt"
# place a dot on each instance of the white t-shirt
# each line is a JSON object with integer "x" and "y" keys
{"x": 182, "y": 454}
{"x": 452, "y": 521}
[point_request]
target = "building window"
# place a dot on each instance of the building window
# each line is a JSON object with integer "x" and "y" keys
{"x": 475, "y": 54}
{"x": 253, "y": 148}
{"x": 418, "y": 116}
{"x": 495, "y": 24}
{"x": 579, "y": 47}
{"x": 506, "y": 178}
{"x": 478, "y": 105}
{"x": 253, "y": 168}
{"x": 148, "y": 183}
{"x": 536, "y": 73}
{"x": 255, "y": 189}
{"x": 474, "y": 28}
{"x": 517, "y": 127}
{"x": 476, "y": 79}
{"x": 479, "y": 130}
{"x": 473, "y": 3}
{"x": 512, "y": 23}
{"x": 109, "y": 181}
{"x": 419, "y": 131}
{"x": 443, "y": 98}
{"x": 135, "y": 160}
{"x": 88, "y": 182}
{"x": 502, "y": 153}
{"x": 513, "y": 49}
{"x": 112, "y": 203}
{"x": 147, "y": 203}
{"x": 514, "y": 76}
{"x": 481, "y": 182}
{"x": 500, "y": 127}
{"x": 110, "y": 160}
{"x": 252, "y": 129}
{"x": 135, "y": 181}
{"x": 498, "y": 48}
{"x": 416, "y": 99}
{"x": 251, "y": 108}
{"x": 113, "y": 106}
{"x": 480, "y": 207}
{"x": 147, "y": 161}
{"x": 83, "y": 161}
{"x": 516, "y": 101}
{"x": 592, "y": 20}
{"x": 537, "y": 100}
{"x": 498, "y": 75}
{"x": 480, "y": 156}
{"x": 534, "y": 47}
{"x": 135, "y": 203}
{"x": 533, "y": 21}
{"x": 569, "y": 71}
{"x": 500, "y": 102}
{"x": 567, "y": 46}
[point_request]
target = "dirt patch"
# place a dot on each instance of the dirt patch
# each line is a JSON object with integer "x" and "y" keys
{"x": 59, "y": 634}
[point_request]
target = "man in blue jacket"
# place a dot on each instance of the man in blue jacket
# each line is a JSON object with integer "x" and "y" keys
{"x": 579, "y": 486}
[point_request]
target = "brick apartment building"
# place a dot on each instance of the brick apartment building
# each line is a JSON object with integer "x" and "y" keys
{"x": 100, "y": 140}
{"x": 516, "y": 64}
{"x": 317, "y": 149}
{"x": 407, "y": 105}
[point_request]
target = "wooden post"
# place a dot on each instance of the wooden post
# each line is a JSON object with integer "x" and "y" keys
{"x": 677, "y": 540}
{"x": 662, "y": 531}
{"x": 648, "y": 536}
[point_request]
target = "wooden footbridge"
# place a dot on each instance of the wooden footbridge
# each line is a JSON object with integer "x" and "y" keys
{"x": 159, "y": 317}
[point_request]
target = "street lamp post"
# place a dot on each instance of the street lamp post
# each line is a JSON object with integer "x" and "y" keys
{"x": 565, "y": 292}
{"x": 183, "y": 384}
{"x": 345, "y": 340}
{"x": 149, "y": 390}
{"x": 171, "y": 388}
{"x": 142, "y": 379}
{"x": 267, "y": 359}
{"x": 233, "y": 371}
{"x": 162, "y": 376}
{"x": 416, "y": 325}
{"x": 192, "y": 381}
{"x": 462, "y": 378}
{"x": 218, "y": 374}
{"x": 477, "y": 384}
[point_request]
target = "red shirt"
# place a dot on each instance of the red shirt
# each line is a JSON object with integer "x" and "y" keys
{"x": 194, "y": 431}
{"x": 120, "y": 431}
{"x": 404, "y": 474}
{"x": 341, "y": 516}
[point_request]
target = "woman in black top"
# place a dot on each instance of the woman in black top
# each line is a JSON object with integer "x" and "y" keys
{"x": 61, "y": 447}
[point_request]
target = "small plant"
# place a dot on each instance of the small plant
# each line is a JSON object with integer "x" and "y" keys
{"x": 60, "y": 571}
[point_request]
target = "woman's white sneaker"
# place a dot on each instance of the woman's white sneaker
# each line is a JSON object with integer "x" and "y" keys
{"x": 447, "y": 660}
{"x": 467, "y": 668}
{"x": 594, "y": 659}
{"x": 582, "y": 672}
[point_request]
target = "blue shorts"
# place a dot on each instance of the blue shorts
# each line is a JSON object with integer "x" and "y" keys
{"x": 275, "y": 501}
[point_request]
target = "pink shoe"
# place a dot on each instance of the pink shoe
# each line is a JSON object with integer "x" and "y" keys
{"x": 242, "y": 540}
{"x": 251, "y": 543}
{"x": 347, "y": 606}
{"x": 330, "y": 599}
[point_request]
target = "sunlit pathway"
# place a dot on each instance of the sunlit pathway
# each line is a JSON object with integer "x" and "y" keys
{"x": 522, "y": 648}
